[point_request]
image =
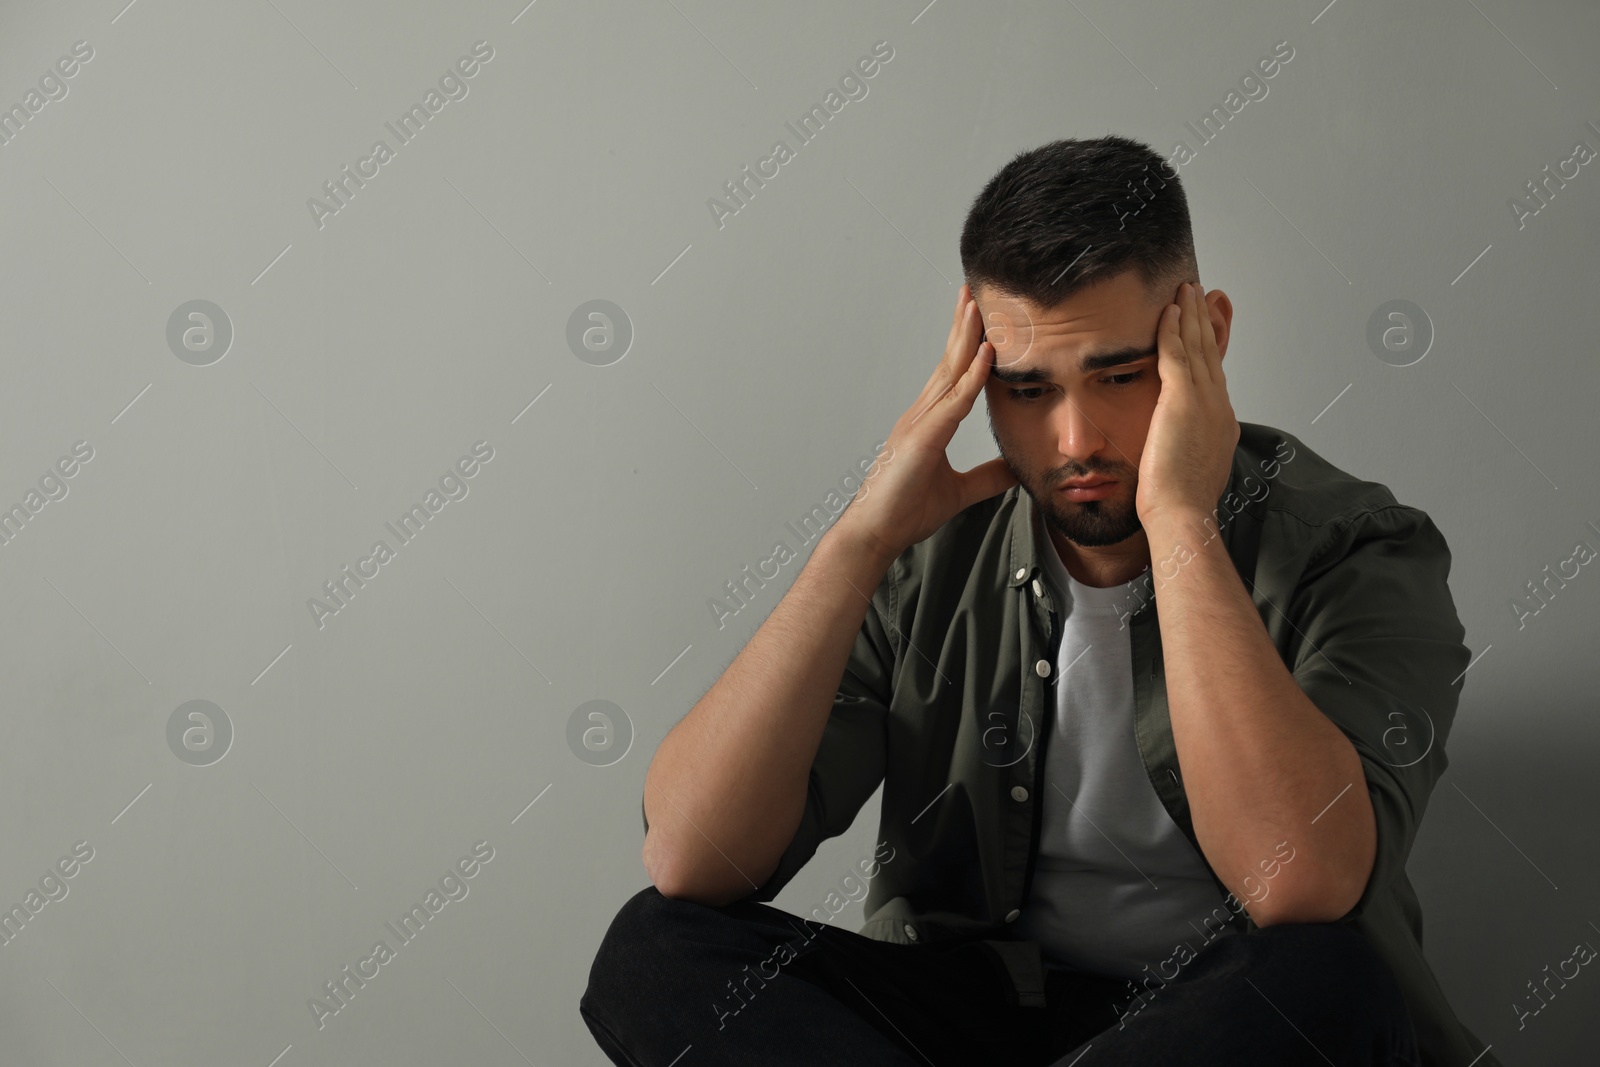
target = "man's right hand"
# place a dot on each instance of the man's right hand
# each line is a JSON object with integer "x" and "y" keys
{"x": 916, "y": 491}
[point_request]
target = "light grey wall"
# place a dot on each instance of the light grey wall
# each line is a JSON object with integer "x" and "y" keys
{"x": 768, "y": 353}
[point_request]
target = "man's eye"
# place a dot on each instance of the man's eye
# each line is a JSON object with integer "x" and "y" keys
{"x": 1116, "y": 381}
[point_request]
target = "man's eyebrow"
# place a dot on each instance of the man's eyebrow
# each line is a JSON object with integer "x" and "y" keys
{"x": 1088, "y": 365}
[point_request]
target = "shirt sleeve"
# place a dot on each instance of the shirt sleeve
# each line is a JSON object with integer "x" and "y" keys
{"x": 1380, "y": 653}
{"x": 852, "y": 756}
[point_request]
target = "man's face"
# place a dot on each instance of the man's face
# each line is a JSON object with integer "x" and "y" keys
{"x": 1054, "y": 419}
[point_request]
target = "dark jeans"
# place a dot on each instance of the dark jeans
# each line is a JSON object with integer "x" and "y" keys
{"x": 678, "y": 984}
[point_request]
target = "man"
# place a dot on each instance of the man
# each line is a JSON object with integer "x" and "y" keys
{"x": 1157, "y": 700}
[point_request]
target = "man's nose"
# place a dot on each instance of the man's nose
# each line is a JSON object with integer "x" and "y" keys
{"x": 1078, "y": 433}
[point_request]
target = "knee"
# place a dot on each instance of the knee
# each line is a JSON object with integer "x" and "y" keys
{"x": 1329, "y": 975}
{"x": 638, "y": 943}
{"x": 641, "y": 914}
{"x": 1340, "y": 947}
{"x": 1343, "y": 959}
{"x": 639, "y": 925}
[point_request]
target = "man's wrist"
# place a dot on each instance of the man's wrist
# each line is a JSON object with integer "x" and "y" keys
{"x": 1179, "y": 529}
{"x": 853, "y": 539}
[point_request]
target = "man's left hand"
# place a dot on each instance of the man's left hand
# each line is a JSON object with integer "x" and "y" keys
{"x": 1188, "y": 449}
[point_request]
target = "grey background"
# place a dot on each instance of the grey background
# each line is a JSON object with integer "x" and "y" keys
{"x": 768, "y": 355}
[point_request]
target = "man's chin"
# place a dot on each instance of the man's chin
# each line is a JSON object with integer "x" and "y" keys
{"x": 1090, "y": 529}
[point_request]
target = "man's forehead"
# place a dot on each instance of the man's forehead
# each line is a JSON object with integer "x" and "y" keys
{"x": 1082, "y": 337}
{"x": 1038, "y": 365}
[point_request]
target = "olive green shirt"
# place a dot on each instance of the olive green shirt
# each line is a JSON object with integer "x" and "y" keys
{"x": 948, "y": 697}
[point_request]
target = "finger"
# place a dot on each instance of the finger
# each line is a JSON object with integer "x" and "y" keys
{"x": 1208, "y": 339}
{"x": 955, "y": 322}
{"x": 972, "y": 379}
{"x": 958, "y": 360}
{"x": 1189, "y": 330}
{"x": 957, "y": 401}
{"x": 969, "y": 332}
{"x": 947, "y": 368}
{"x": 1203, "y": 366}
{"x": 1171, "y": 360}
{"x": 963, "y": 298}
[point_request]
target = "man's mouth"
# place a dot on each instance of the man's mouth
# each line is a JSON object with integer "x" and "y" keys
{"x": 1088, "y": 489}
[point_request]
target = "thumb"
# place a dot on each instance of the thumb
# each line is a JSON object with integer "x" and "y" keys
{"x": 985, "y": 480}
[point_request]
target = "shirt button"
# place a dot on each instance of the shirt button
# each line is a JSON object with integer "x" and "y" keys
{"x": 1018, "y": 793}
{"x": 1042, "y": 668}
{"x": 1011, "y": 916}
{"x": 911, "y": 931}
{"x": 1038, "y": 588}
{"x": 1022, "y": 572}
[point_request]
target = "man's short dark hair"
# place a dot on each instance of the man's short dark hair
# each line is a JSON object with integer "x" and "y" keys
{"x": 1075, "y": 212}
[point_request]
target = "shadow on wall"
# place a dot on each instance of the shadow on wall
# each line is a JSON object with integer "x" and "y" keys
{"x": 1507, "y": 870}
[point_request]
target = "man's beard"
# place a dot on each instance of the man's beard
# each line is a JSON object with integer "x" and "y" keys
{"x": 1090, "y": 524}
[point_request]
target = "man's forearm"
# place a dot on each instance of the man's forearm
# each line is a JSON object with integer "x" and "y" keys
{"x": 1261, "y": 764}
{"x": 727, "y": 787}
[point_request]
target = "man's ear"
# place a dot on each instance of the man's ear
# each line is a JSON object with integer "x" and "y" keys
{"x": 1220, "y": 308}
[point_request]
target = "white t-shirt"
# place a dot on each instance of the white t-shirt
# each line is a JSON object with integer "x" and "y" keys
{"x": 1116, "y": 884}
